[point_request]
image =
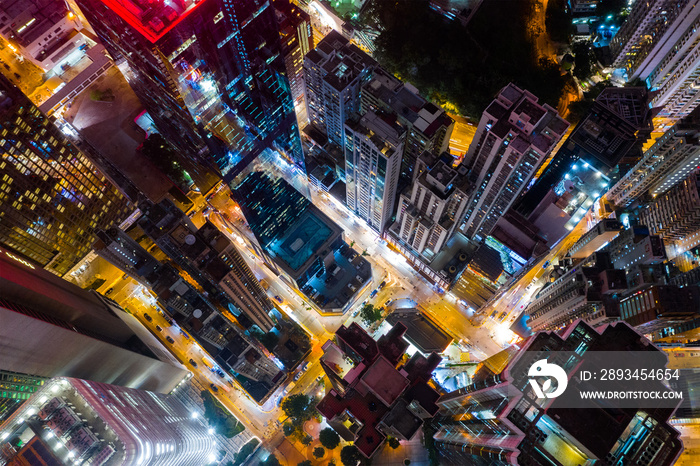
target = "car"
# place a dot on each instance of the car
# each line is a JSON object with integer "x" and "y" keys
{"x": 546, "y": 264}
{"x": 279, "y": 299}
{"x": 148, "y": 318}
{"x": 109, "y": 292}
{"x": 382, "y": 284}
{"x": 214, "y": 387}
{"x": 298, "y": 375}
{"x": 193, "y": 362}
{"x": 387, "y": 302}
{"x": 169, "y": 340}
{"x": 305, "y": 366}
{"x": 373, "y": 294}
{"x": 159, "y": 328}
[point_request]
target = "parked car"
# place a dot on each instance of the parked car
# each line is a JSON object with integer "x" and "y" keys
{"x": 298, "y": 375}
{"x": 546, "y": 264}
{"x": 214, "y": 387}
{"x": 148, "y": 318}
{"x": 169, "y": 340}
{"x": 279, "y": 299}
{"x": 109, "y": 292}
{"x": 193, "y": 362}
{"x": 373, "y": 293}
{"x": 382, "y": 284}
{"x": 159, "y": 328}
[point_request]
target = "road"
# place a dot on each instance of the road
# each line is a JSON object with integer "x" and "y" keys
{"x": 24, "y": 74}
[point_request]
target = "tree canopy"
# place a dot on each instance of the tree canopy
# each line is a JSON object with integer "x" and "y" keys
{"x": 299, "y": 408}
{"x": 465, "y": 66}
{"x": 350, "y": 455}
{"x": 218, "y": 419}
{"x": 370, "y": 314}
{"x": 329, "y": 438}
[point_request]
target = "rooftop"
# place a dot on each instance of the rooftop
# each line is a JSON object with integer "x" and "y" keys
{"x": 421, "y": 332}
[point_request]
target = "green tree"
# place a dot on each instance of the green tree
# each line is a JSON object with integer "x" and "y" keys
{"x": 271, "y": 461}
{"x": 319, "y": 452}
{"x": 393, "y": 442}
{"x": 350, "y": 455}
{"x": 298, "y": 407}
{"x": 329, "y": 438}
{"x": 583, "y": 65}
{"x": 217, "y": 417}
{"x": 370, "y": 314}
{"x": 245, "y": 452}
{"x": 289, "y": 429}
{"x": 306, "y": 439}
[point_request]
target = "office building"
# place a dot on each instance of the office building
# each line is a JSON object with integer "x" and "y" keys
{"x": 498, "y": 420}
{"x": 374, "y": 394}
{"x": 428, "y": 127}
{"x": 514, "y": 136}
{"x": 609, "y": 139}
{"x": 431, "y": 212}
{"x": 373, "y": 149}
{"x": 335, "y": 72}
{"x": 52, "y": 328}
{"x": 52, "y": 198}
{"x": 595, "y": 238}
{"x": 210, "y": 74}
{"x": 583, "y": 291}
{"x": 653, "y": 308}
{"x": 672, "y": 158}
{"x": 296, "y": 40}
{"x": 302, "y": 242}
{"x": 210, "y": 259}
{"x": 84, "y": 422}
{"x": 15, "y": 389}
{"x": 676, "y": 213}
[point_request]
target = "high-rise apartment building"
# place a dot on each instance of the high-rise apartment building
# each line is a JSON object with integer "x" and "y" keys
{"x": 609, "y": 139}
{"x": 498, "y": 420}
{"x": 676, "y": 213}
{"x": 210, "y": 73}
{"x": 655, "y": 307}
{"x": 583, "y": 291}
{"x": 634, "y": 246}
{"x": 431, "y": 212}
{"x": 335, "y": 72}
{"x": 428, "y": 127}
{"x": 660, "y": 44}
{"x": 51, "y": 328}
{"x": 514, "y": 136}
{"x": 373, "y": 150}
{"x": 52, "y": 198}
{"x": 672, "y": 157}
{"x": 85, "y": 422}
{"x": 296, "y": 40}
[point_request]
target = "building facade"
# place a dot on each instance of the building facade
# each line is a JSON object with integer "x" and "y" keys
{"x": 676, "y": 213}
{"x": 514, "y": 136}
{"x": 335, "y": 72}
{"x": 210, "y": 73}
{"x": 672, "y": 157}
{"x": 373, "y": 150}
{"x": 296, "y": 40}
{"x": 52, "y": 198}
{"x": 97, "y": 423}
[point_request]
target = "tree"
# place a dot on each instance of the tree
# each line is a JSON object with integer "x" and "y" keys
{"x": 244, "y": 452}
{"x": 163, "y": 156}
{"x": 306, "y": 439}
{"x": 305, "y": 463}
{"x": 393, "y": 442}
{"x": 329, "y": 438}
{"x": 289, "y": 429}
{"x": 370, "y": 314}
{"x": 217, "y": 417}
{"x": 319, "y": 452}
{"x": 583, "y": 67}
{"x": 271, "y": 461}
{"x": 298, "y": 408}
{"x": 350, "y": 455}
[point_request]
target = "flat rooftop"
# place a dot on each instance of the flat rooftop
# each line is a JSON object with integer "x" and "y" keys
{"x": 302, "y": 240}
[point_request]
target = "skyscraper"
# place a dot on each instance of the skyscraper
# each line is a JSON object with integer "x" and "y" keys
{"x": 51, "y": 328}
{"x": 296, "y": 41}
{"x": 335, "y": 72}
{"x": 428, "y": 127}
{"x": 513, "y": 138}
{"x": 52, "y": 198}
{"x": 676, "y": 213}
{"x": 498, "y": 420}
{"x": 210, "y": 73}
{"x": 373, "y": 150}
{"x": 672, "y": 157}
{"x": 430, "y": 214}
{"x": 97, "y": 423}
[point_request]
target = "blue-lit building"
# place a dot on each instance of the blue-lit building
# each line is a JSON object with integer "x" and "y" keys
{"x": 210, "y": 73}
{"x": 302, "y": 241}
